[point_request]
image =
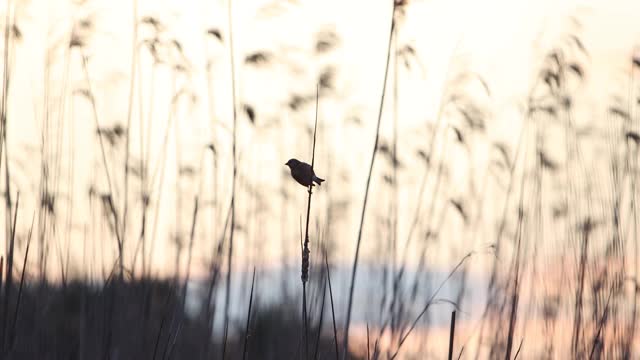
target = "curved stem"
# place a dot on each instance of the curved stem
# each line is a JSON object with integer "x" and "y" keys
{"x": 345, "y": 344}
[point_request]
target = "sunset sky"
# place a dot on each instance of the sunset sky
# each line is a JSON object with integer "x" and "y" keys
{"x": 501, "y": 42}
{"x": 503, "y": 188}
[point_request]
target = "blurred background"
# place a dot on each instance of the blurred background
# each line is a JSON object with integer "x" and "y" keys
{"x": 480, "y": 157}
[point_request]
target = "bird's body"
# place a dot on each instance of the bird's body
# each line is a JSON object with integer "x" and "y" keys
{"x": 303, "y": 173}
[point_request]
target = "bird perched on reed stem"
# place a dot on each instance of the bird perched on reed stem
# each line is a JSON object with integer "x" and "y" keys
{"x": 303, "y": 173}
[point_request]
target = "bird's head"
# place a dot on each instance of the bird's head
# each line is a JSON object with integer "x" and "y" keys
{"x": 291, "y": 163}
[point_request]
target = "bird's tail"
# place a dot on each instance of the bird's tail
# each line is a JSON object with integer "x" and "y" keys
{"x": 318, "y": 180}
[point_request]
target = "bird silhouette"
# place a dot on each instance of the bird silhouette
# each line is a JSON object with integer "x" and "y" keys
{"x": 303, "y": 173}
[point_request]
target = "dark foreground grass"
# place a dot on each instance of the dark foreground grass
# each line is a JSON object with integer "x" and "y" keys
{"x": 143, "y": 319}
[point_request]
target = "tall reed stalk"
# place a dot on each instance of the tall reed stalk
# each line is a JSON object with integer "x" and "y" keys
{"x": 132, "y": 82}
{"x": 233, "y": 184}
{"x": 305, "y": 250}
{"x": 110, "y": 199}
{"x": 3, "y": 121}
{"x": 345, "y": 344}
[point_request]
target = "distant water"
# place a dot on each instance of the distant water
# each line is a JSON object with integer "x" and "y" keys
{"x": 273, "y": 286}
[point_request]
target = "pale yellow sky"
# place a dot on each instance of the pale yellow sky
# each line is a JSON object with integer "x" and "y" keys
{"x": 502, "y": 41}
